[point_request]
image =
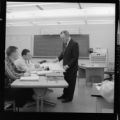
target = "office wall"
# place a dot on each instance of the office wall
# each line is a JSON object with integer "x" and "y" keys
{"x": 102, "y": 35}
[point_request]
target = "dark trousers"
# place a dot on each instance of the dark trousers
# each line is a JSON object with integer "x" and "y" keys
{"x": 70, "y": 77}
{"x": 20, "y": 95}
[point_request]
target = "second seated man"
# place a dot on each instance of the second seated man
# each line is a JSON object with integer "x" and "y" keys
{"x": 24, "y": 63}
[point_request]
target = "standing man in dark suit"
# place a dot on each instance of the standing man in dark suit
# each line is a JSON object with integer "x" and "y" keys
{"x": 69, "y": 55}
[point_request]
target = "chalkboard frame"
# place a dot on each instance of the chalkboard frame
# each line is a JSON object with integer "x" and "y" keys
{"x": 52, "y": 57}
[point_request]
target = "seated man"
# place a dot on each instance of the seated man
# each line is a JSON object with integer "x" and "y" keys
{"x": 24, "y": 63}
{"x": 12, "y": 73}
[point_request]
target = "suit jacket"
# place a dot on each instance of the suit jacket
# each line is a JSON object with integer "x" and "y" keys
{"x": 70, "y": 55}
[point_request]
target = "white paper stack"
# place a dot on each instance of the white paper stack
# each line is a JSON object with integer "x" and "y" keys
{"x": 30, "y": 78}
{"x": 98, "y": 87}
{"x": 33, "y": 72}
{"x": 43, "y": 72}
{"x": 53, "y": 66}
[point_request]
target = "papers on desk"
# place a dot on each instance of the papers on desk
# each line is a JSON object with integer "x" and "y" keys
{"x": 55, "y": 76}
{"x": 47, "y": 73}
{"x": 53, "y": 66}
{"x": 98, "y": 87}
{"x": 30, "y": 78}
{"x": 33, "y": 72}
{"x": 43, "y": 72}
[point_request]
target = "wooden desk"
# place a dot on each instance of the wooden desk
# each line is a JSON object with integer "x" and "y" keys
{"x": 40, "y": 87}
{"x": 93, "y": 74}
{"x": 101, "y": 103}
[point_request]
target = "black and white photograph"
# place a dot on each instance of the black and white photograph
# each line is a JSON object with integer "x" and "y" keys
{"x": 60, "y": 57}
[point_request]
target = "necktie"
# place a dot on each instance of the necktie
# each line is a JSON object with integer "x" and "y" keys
{"x": 65, "y": 46}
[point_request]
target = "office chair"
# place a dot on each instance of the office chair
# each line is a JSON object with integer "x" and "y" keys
{"x": 9, "y": 103}
{"x": 9, "y": 97}
{"x": 9, "y": 100}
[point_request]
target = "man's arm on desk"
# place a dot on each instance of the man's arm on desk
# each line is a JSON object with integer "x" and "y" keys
{"x": 9, "y": 70}
{"x": 60, "y": 57}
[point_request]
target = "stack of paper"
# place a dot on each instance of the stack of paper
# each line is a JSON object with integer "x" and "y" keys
{"x": 43, "y": 72}
{"x": 98, "y": 87}
{"x": 53, "y": 66}
{"x": 33, "y": 72}
{"x": 30, "y": 78}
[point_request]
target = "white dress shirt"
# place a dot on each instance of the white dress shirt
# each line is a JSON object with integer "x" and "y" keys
{"x": 24, "y": 65}
{"x": 68, "y": 41}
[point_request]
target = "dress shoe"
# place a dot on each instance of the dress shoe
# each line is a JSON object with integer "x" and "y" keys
{"x": 66, "y": 101}
{"x": 61, "y": 97}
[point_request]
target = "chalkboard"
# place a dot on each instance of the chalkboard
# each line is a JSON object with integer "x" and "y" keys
{"x": 51, "y": 45}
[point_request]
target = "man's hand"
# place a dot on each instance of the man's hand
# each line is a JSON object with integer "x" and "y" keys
{"x": 65, "y": 67}
{"x": 26, "y": 74}
{"x": 37, "y": 65}
{"x": 56, "y": 60}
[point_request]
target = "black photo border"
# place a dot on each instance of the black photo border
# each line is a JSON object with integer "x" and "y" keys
{"x": 90, "y": 116}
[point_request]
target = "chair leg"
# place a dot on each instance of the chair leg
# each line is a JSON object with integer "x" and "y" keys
{"x": 14, "y": 107}
{"x": 17, "y": 109}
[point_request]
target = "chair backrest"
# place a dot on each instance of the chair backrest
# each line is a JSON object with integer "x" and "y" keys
{"x": 8, "y": 80}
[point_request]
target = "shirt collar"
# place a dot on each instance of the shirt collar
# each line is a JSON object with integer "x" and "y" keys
{"x": 68, "y": 41}
{"x": 27, "y": 61}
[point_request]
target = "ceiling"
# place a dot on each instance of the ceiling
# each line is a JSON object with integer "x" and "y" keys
{"x": 55, "y": 13}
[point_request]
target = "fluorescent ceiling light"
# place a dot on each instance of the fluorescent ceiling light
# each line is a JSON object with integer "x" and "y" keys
{"x": 22, "y": 4}
{"x": 46, "y": 14}
{"x": 46, "y": 23}
{"x": 71, "y": 12}
{"x": 19, "y": 24}
{"x": 60, "y": 23}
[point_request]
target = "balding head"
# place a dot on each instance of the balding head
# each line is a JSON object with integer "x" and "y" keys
{"x": 64, "y": 35}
